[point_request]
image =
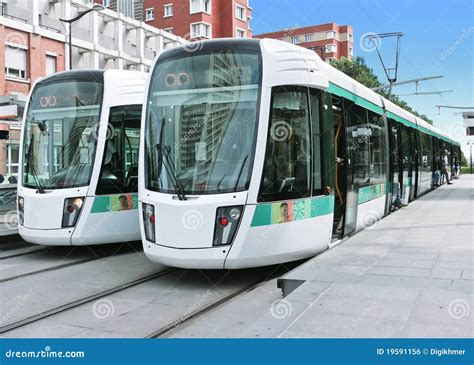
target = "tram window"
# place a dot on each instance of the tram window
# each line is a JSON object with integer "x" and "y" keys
{"x": 287, "y": 169}
{"x": 119, "y": 172}
{"x": 377, "y": 148}
{"x": 358, "y": 137}
{"x": 315, "y": 97}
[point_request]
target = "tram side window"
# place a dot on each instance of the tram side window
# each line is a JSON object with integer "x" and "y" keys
{"x": 287, "y": 169}
{"x": 119, "y": 171}
{"x": 377, "y": 148}
{"x": 358, "y": 137}
{"x": 427, "y": 153}
{"x": 315, "y": 97}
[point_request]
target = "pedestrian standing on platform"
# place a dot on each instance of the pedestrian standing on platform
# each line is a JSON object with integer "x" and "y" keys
{"x": 444, "y": 167}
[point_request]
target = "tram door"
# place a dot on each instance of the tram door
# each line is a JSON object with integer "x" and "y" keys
{"x": 414, "y": 164}
{"x": 395, "y": 171}
{"x": 340, "y": 173}
{"x": 406, "y": 162}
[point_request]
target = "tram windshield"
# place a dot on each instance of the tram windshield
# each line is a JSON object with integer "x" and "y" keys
{"x": 61, "y": 129}
{"x": 201, "y": 123}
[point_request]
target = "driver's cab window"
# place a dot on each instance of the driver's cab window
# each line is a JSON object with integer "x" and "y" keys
{"x": 287, "y": 169}
{"x": 119, "y": 171}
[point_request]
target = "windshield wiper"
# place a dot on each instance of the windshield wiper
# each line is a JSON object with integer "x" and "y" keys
{"x": 31, "y": 168}
{"x": 240, "y": 172}
{"x": 165, "y": 159}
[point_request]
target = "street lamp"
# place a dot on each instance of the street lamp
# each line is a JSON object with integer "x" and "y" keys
{"x": 96, "y": 7}
{"x": 470, "y": 151}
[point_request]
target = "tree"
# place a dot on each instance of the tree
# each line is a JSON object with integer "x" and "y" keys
{"x": 359, "y": 71}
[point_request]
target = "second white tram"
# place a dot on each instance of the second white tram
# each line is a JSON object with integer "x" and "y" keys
{"x": 78, "y": 173}
{"x": 256, "y": 152}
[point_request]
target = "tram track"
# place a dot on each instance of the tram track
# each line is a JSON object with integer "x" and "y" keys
{"x": 171, "y": 328}
{"x": 11, "y": 242}
{"x": 19, "y": 254}
{"x": 108, "y": 252}
{"x": 189, "y": 295}
{"x": 84, "y": 300}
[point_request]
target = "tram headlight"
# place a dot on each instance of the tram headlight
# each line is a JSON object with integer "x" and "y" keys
{"x": 71, "y": 211}
{"x": 21, "y": 210}
{"x": 226, "y": 224}
{"x": 148, "y": 212}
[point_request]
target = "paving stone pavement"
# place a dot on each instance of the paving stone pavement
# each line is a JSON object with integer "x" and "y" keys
{"x": 408, "y": 275}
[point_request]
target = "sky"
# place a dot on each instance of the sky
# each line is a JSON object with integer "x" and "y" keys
{"x": 438, "y": 40}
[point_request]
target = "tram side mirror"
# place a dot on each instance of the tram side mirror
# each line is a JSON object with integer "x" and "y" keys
{"x": 287, "y": 184}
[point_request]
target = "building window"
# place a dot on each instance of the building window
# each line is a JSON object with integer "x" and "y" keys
{"x": 125, "y": 7}
{"x": 308, "y": 37}
{"x": 200, "y": 6}
{"x": 240, "y": 13}
{"x": 200, "y": 30}
{"x": 169, "y": 30}
{"x": 50, "y": 64}
{"x": 240, "y": 33}
{"x": 295, "y": 40}
{"x": 150, "y": 14}
{"x": 351, "y": 52}
{"x": 106, "y": 3}
{"x": 12, "y": 159}
{"x": 330, "y": 48}
{"x": 15, "y": 62}
{"x": 167, "y": 10}
{"x": 331, "y": 35}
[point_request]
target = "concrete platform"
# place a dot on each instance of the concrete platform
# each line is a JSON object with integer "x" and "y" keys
{"x": 408, "y": 275}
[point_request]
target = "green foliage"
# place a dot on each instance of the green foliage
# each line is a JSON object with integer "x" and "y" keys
{"x": 359, "y": 71}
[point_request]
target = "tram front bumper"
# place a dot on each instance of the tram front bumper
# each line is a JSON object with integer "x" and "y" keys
{"x": 47, "y": 237}
{"x": 187, "y": 258}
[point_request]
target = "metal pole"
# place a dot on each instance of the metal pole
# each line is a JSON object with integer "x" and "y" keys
{"x": 70, "y": 46}
{"x": 471, "y": 156}
{"x": 96, "y": 7}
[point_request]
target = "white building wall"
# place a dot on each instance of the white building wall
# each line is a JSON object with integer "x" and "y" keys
{"x": 103, "y": 39}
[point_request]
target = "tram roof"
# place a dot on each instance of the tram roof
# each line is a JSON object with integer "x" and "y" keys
{"x": 339, "y": 83}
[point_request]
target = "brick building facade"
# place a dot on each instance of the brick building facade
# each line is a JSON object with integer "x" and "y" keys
{"x": 26, "y": 56}
{"x": 329, "y": 41}
{"x": 200, "y": 19}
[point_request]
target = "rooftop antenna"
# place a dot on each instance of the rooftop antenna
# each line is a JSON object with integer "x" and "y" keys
{"x": 388, "y": 70}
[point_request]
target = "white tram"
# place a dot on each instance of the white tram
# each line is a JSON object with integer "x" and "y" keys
{"x": 256, "y": 152}
{"x": 78, "y": 172}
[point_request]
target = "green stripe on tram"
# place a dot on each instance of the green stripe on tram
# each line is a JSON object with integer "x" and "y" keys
{"x": 114, "y": 203}
{"x": 339, "y": 91}
{"x": 371, "y": 192}
{"x": 401, "y": 120}
{"x": 293, "y": 210}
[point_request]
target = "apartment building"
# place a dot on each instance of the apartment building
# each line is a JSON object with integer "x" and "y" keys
{"x": 329, "y": 41}
{"x": 129, "y": 8}
{"x": 200, "y": 19}
{"x": 34, "y": 43}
